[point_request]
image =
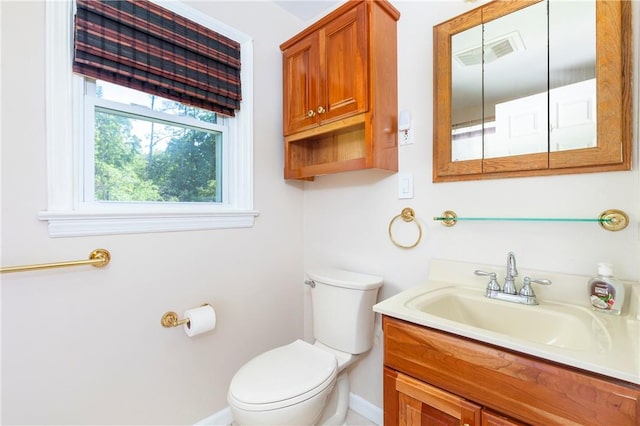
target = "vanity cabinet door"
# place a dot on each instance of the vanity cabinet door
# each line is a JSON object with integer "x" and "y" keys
{"x": 411, "y": 402}
{"x": 420, "y": 404}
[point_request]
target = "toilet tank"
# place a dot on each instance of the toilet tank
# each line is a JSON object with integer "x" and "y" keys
{"x": 342, "y": 303}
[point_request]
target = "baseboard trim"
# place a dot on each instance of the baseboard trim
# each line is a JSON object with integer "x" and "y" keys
{"x": 356, "y": 403}
{"x": 366, "y": 409}
{"x": 221, "y": 418}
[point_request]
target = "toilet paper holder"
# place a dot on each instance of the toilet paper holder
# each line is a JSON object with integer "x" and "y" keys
{"x": 171, "y": 319}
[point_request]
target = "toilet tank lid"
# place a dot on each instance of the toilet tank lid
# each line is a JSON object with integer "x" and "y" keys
{"x": 346, "y": 279}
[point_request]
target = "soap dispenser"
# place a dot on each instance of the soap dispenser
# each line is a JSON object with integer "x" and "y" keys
{"x": 606, "y": 293}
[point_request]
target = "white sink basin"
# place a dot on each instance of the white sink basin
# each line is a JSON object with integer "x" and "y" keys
{"x": 560, "y": 325}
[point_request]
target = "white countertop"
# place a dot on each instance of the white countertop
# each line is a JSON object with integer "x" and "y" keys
{"x": 620, "y": 359}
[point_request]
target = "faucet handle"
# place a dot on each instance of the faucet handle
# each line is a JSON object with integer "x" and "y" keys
{"x": 493, "y": 282}
{"x": 527, "y": 290}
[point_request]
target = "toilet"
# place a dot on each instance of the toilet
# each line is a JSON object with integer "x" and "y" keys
{"x": 307, "y": 384}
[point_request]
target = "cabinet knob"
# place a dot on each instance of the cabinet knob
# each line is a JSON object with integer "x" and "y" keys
{"x": 321, "y": 110}
{"x": 311, "y": 113}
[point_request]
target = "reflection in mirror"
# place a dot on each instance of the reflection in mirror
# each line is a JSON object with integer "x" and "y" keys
{"x": 499, "y": 87}
{"x": 466, "y": 95}
{"x": 572, "y": 75}
{"x": 515, "y": 83}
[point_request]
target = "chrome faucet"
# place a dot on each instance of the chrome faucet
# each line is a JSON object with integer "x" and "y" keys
{"x": 512, "y": 273}
{"x": 509, "y": 292}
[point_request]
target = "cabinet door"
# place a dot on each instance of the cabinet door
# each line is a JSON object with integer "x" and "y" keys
{"x": 343, "y": 66}
{"x": 300, "y": 86}
{"x": 420, "y": 404}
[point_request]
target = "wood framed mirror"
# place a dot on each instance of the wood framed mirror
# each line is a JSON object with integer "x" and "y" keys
{"x": 533, "y": 88}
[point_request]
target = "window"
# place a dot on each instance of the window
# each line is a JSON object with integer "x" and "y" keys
{"x": 124, "y": 161}
{"x": 150, "y": 149}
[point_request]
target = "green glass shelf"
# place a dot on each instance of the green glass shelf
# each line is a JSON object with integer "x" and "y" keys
{"x": 611, "y": 220}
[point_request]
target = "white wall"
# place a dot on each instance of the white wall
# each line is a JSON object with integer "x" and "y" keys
{"x": 84, "y": 345}
{"x": 346, "y": 216}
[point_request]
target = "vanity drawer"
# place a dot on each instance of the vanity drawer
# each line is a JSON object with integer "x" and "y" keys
{"x": 523, "y": 387}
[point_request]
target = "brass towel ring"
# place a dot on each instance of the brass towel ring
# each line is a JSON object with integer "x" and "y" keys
{"x": 407, "y": 215}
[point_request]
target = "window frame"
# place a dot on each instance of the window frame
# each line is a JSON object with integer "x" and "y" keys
{"x": 68, "y": 214}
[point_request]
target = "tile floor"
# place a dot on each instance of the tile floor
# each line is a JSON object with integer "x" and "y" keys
{"x": 355, "y": 419}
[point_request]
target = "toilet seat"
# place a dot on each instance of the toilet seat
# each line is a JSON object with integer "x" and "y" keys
{"x": 282, "y": 377}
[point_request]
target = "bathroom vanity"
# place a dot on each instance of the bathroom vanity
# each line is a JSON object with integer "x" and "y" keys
{"x": 446, "y": 363}
{"x": 430, "y": 375}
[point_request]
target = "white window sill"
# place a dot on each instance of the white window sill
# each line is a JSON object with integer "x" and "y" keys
{"x": 78, "y": 224}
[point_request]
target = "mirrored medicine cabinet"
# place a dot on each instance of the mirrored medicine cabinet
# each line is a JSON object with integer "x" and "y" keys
{"x": 533, "y": 87}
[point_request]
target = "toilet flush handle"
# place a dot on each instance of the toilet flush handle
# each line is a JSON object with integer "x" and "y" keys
{"x": 310, "y": 283}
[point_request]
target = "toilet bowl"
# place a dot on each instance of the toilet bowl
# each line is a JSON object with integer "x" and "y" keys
{"x": 288, "y": 385}
{"x": 307, "y": 384}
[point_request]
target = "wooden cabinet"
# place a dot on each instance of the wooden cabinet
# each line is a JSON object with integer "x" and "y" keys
{"x": 340, "y": 92}
{"x": 436, "y": 378}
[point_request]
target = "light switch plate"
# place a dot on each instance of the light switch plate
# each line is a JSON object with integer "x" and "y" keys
{"x": 405, "y": 185}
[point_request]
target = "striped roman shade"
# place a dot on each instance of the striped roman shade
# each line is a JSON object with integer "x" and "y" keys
{"x": 143, "y": 46}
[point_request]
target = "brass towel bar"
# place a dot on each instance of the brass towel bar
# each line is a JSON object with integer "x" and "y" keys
{"x": 97, "y": 258}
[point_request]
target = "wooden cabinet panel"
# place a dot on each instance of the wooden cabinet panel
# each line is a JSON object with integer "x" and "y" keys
{"x": 410, "y": 402}
{"x": 414, "y": 412}
{"x": 521, "y": 387}
{"x": 421, "y": 404}
{"x": 301, "y": 85}
{"x": 493, "y": 419}
{"x": 343, "y": 66}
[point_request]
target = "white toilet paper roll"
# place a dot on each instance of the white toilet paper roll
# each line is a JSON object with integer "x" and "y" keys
{"x": 201, "y": 320}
